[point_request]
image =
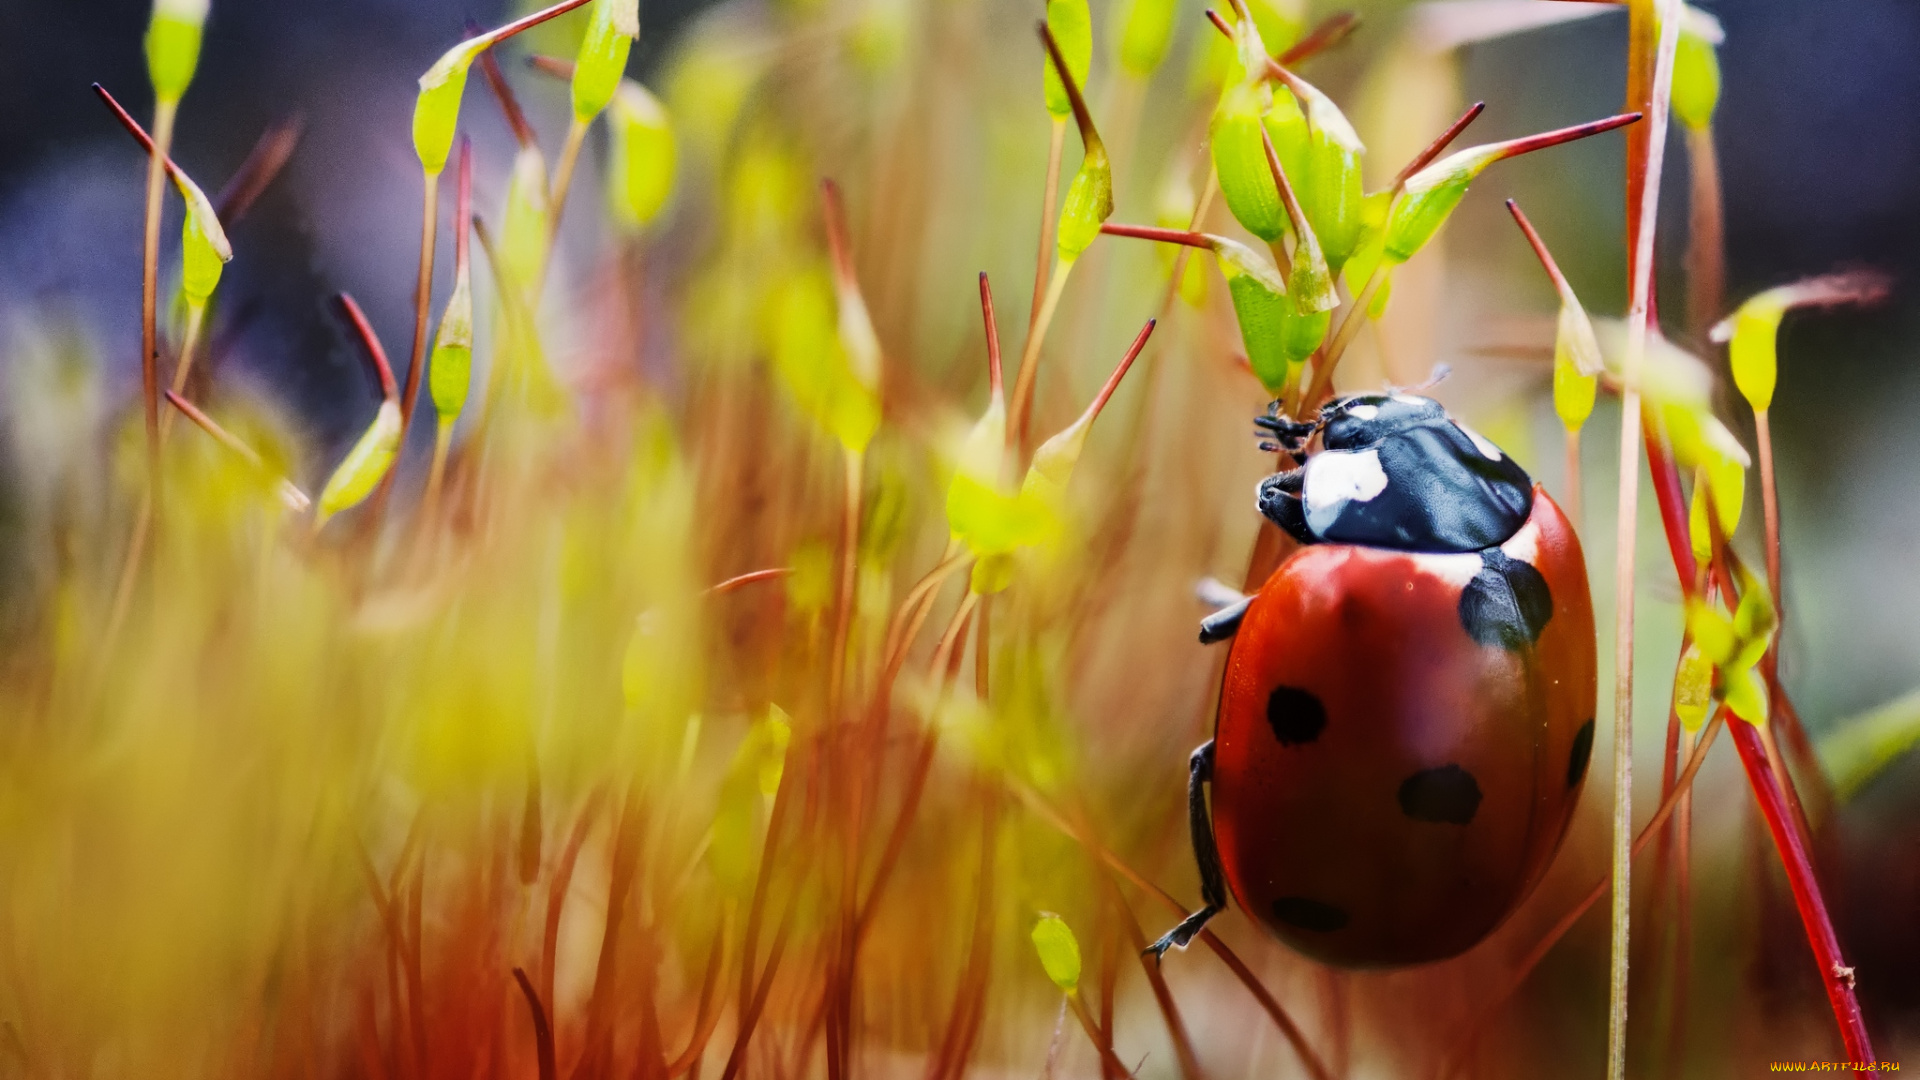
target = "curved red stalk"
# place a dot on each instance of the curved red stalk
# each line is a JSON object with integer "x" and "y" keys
{"x": 509, "y": 101}
{"x": 211, "y": 427}
{"x": 1539, "y": 247}
{"x": 389, "y": 389}
{"x": 1187, "y": 237}
{"x": 1126, "y": 363}
{"x": 1332, "y": 30}
{"x": 1527, "y": 144}
{"x": 263, "y": 164}
{"x": 463, "y": 210}
{"x": 993, "y": 337}
{"x": 1835, "y": 974}
{"x": 752, "y": 578}
{"x": 133, "y": 128}
{"x": 542, "y": 1029}
{"x": 1438, "y": 146}
{"x": 1082, "y": 116}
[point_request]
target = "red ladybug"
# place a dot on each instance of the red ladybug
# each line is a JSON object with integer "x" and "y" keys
{"x": 1407, "y": 714}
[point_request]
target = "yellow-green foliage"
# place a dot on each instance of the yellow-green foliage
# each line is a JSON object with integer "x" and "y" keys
{"x": 280, "y": 800}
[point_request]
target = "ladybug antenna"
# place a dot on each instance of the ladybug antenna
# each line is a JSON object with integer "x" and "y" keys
{"x": 1439, "y": 375}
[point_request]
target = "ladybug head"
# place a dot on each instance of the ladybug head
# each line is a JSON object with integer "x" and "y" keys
{"x": 1392, "y": 470}
{"x": 1362, "y": 420}
{"x": 1346, "y": 423}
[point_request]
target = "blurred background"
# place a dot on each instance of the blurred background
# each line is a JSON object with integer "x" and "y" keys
{"x": 935, "y": 103}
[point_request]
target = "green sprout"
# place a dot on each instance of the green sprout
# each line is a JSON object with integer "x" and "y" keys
{"x": 1059, "y": 951}
{"x": 173, "y": 46}
{"x": 1071, "y": 24}
{"x": 1432, "y": 193}
{"x": 1696, "y": 69}
{"x": 602, "y": 62}
{"x": 371, "y": 458}
{"x": 641, "y": 163}
{"x": 1146, "y": 33}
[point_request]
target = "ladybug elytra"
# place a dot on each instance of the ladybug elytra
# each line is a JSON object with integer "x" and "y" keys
{"x": 1407, "y": 713}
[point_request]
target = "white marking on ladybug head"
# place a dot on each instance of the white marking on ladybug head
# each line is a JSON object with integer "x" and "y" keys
{"x": 1409, "y": 399}
{"x": 1487, "y": 449}
{"x": 1454, "y": 569}
{"x": 1363, "y": 412}
{"x": 1336, "y": 478}
{"x": 1524, "y": 546}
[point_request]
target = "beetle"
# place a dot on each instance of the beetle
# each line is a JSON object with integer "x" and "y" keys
{"x": 1407, "y": 714}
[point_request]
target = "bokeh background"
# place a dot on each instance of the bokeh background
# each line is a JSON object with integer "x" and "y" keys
{"x": 1820, "y": 153}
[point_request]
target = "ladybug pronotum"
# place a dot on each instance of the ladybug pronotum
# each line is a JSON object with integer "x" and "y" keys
{"x": 1407, "y": 714}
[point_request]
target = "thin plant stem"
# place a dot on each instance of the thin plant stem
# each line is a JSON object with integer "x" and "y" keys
{"x": 1438, "y": 146}
{"x": 1682, "y": 830}
{"x": 1110, "y": 1063}
{"x": 1835, "y": 974}
{"x": 1289, "y": 1029}
{"x": 183, "y": 367}
{"x": 1343, "y": 337}
{"x": 1573, "y": 508}
{"x": 295, "y": 499}
{"x": 1056, "y": 148}
{"x": 1706, "y": 233}
{"x": 1770, "y": 503}
{"x": 422, "y": 298}
{"x": 165, "y": 113}
{"x": 849, "y": 580}
{"x": 1639, "y": 315}
{"x": 981, "y": 640}
{"x": 734, "y": 584}
{"x": 563, "y": 174}
{"x": 1022, "y": 405}
{"x": 437, "y": 475}
{"x": 462, "y": 271}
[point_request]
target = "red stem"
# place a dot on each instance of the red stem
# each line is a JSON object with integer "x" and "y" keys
{"x": 134, "y": 129}
{"x": 1438, "y": 146}
{"x": 1834, "y": 971}
{"x": 1527, "y": 144}
{"x": 1187, "y": 237}
{"x": 389, "y": 389}
{"x": 509, "y": 102}
{"x": 1539, "y": 246}
{"x": 1120, "y": 372}
{"x": 745, "y": 580}
{"x": 463, "y": 210}
{"x": 1082, "y": 117}
{"x": 533, "y": 20}
{"x": 993, "y": 337}
{"x": 1835, "y": 974}
{"x": 1332, "y": 30}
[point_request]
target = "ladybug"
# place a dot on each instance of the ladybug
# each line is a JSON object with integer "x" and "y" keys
{"x": 1407, "y": 713}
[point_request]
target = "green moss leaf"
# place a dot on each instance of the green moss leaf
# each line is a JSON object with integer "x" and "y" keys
{"x": 1071, "y": 24}
{"x": 173, "y": 46}
{"x": 1059, "y": 952}
{"x": 602, "y": 60}
{"x": 644, "y": 157}
{"x": 365, "y": 465}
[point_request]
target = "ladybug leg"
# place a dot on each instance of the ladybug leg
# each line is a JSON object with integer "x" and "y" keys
{"x": 1229, "y": 607}
{"x": 1280, "y": 501}
{"x": 1224, "y": 623}
{"x": 1213, "y": 883}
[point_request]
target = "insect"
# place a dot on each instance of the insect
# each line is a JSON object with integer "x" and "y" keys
{"x": 1407, "y": 713}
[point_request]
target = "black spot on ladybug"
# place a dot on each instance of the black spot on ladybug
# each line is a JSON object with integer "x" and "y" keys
{"x": 1297, "y": 716}
{"x": 1582, "y": 754}
{"x": 1309, "y": 914}
{"x": 1447, "y": 795}
{"x": 1506, "y": 604}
